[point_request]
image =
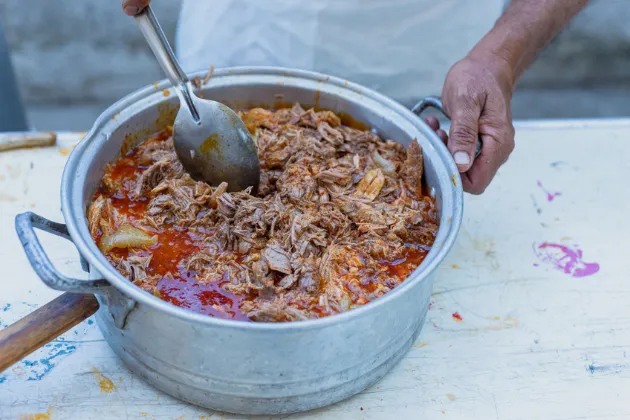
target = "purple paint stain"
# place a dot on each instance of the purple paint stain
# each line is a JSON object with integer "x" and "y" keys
{"x": 568, "y": 260}
{"x": 550, "y": 195}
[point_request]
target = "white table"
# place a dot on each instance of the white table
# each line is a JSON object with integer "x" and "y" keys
{"x": 533, "y": 342}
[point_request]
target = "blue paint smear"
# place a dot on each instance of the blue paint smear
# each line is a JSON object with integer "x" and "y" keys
{"x": 42, "y": 367}
{"x": 90, "y": 322}
{"x": 614, "y": 368}
{"x": 6, "y": 307}
{"x": 2, "y": 379}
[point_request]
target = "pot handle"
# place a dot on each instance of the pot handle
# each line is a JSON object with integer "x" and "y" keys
{"x": 24, "y": 225}
{"x": 436, "y": 102}
{"x": 43, "y": 325}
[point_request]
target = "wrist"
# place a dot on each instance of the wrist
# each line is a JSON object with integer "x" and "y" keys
{"x": 502, "y": 63}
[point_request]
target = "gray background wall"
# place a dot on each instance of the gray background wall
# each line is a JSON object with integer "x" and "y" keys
{"x": 76, "y": 57}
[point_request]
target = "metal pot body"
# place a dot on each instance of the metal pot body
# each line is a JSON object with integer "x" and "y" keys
{"x": 255, "y": 368}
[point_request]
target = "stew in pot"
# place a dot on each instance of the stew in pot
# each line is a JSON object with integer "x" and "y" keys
{"x": 340, "y": 218}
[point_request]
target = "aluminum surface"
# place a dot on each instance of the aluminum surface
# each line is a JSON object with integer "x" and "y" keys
{"x": 258, "y": 368}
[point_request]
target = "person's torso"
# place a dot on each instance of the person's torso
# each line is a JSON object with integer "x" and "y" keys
{"x": 402, "y": 48}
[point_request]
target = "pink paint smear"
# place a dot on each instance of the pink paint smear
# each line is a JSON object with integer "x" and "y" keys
{"x": 566, "y": 259}
{"x": 550, "y": 195}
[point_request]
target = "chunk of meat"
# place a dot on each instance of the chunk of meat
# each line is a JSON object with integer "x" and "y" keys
{"x": 275, "y": 311}
{"x": 296, "y": 184}
{"x": 277, "y": 259}
{"x": 370, "y": 186}
{"x": 101, "y": 217}
{"x": 386, "y": 165}
{"x": 151, "y": 177}
{"x": 413, "y": 168}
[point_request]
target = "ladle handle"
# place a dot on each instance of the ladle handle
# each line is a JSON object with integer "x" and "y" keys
{"x": 156, "y": 39}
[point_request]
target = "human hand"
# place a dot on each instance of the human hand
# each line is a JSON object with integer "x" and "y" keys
{"x": 133, "y": 7}
{"x": 434, "y": 123}
{"x": 476, "y": 96}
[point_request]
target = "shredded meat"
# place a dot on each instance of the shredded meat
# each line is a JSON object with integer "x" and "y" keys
{"x": 339, "y": 219}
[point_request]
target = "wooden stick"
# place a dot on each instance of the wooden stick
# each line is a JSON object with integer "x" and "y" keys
{"x": 21, "y": 140}
{"x": 43, "y": 325}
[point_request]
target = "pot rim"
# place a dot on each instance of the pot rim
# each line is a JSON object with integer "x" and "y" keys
{"x": 74, "y": 213}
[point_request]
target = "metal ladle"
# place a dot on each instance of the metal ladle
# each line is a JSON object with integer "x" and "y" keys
{"x": 210, "y": 139}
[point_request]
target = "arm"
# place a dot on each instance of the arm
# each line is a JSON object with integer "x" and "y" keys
{"x": 525, "y": 28}
{"x": 478, "y": 89}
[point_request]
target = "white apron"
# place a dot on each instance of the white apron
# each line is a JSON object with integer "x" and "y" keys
{"x": 402, "y": 48}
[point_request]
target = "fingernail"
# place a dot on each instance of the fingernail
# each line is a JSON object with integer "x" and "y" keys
{"x": 132, "y": 10}
{"x": 461, "y": 158}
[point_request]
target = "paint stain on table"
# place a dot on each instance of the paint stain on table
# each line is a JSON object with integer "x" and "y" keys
{"x": 450, "y": 397}
{"x": 105, "y": 384}
{"x": 564, "y": 258}
{"x": 550, "y": 195}
{"x": 38, "y": 369}
{"x": 65, "y": 151}
{"x": 37, "y": 416}
{"x": 8, "y": 198}
{"x": 457, "y": 317}
{"x": 500, "y": 324}
{"x": 595, "y": 369}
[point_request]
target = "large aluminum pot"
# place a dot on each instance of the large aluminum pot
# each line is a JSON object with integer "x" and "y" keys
{"x": 233, "y": 366}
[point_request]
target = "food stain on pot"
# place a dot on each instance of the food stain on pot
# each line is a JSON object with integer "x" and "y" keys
{"x": 211, "y": 144}
{"x": 105, "y": 384}
{"x": 564, "y": 258}
{"x": 164, "y": 121}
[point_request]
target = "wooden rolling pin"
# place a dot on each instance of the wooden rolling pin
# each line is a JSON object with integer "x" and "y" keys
{"x": 43, "y": 325}
{"x": 21, "y": 140}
